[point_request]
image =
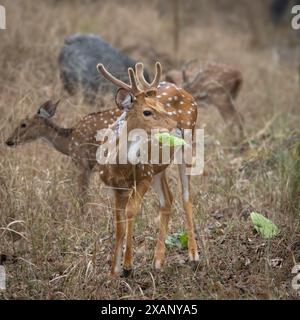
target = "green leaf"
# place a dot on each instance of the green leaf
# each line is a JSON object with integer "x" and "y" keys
{"x": 179, "y": 240}
{"x": 183, "y": 240}
{"x": 168, "y": 139}
{"x": 265, "y": 227}
{"x": 171, "y": 241}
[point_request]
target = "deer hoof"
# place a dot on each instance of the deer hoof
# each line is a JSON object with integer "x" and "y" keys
{"x": 157, "y": 265}
{"x": 127, "y": 273}
{"x": 194, "y": 265}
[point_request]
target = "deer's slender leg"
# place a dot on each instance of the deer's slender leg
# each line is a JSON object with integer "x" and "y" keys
{"x": 236, "y": 86}
{"x": 188, "y": 208}
{"x": 121, "y": 199}
{"x": 231, "y": 116}
{"x": 132, "y": 208}
{"x": 165, "y": 204}
{"x": 83, "y": 180}
{"x": 224, "y": 103}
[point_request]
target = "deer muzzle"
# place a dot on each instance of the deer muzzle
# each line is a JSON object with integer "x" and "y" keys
{"x": 10, "y": 142}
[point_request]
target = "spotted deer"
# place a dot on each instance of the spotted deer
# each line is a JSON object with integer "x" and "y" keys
{"x": 161, "y": 106}
{"x": 77, "y": 142}
{"x": 213, "y": 83}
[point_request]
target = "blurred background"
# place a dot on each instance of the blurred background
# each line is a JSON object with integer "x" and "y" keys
{"x": 255, "y": 38}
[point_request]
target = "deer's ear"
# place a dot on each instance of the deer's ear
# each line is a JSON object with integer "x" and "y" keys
{"x": 124, "y": 99}
{"x": 48, "y": 109}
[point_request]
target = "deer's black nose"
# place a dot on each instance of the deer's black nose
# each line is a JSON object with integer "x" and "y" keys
{"x": 10, "y": 143}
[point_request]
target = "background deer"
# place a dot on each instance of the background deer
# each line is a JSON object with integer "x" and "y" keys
{"x": 212, "y": 83}
{"x": 147, "y": 106}
{"x": 77, "y": 142}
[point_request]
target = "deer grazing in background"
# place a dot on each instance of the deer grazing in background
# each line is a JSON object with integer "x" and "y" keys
{"x": 147, "y": 106}
{"x": 212, "y": 83}
{"x": 161, "y": 106}
{"x": 77, "y": 142}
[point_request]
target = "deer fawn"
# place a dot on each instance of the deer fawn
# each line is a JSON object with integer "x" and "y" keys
{"x": 78, "y": 142}
{"x": 147, "y": 106}
{"x": 213, "y": 83}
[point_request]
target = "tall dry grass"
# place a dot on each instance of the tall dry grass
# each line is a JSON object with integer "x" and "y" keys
{"x": 55, "y": 252}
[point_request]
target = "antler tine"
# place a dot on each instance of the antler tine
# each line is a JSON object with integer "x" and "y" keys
{"x": 139, "y": 71}
{"x": 157, "y": 77}
{"x": 133, "y": 83}
{"x": 101, "y": 69}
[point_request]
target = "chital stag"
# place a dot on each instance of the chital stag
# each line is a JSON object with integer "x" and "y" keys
{"x": 212, "y": 83}
{"x": 147, "y": 106}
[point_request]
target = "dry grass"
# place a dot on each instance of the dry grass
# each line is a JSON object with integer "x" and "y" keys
{"x": 57, "y": 253}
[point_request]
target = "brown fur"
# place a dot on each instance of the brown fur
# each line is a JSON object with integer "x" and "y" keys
{"x": 131, "y": 182}
{"x": 171, "y": 107}
{"x": 213, "y": 83}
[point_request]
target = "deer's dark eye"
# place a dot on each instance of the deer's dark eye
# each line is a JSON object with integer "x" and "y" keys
{"x": 147, "y": 113}
{"x": 23, "y": 125}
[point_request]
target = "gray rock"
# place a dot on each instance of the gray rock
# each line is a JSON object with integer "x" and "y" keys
{"x": 78, "y": 59}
